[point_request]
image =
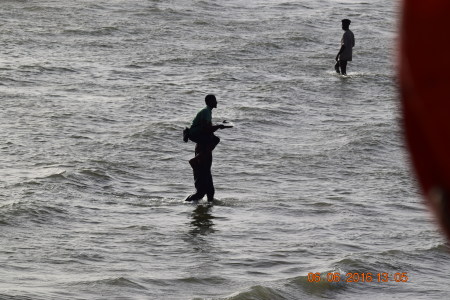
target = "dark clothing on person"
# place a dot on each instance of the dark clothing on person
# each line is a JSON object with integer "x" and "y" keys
{"x": 199, "y": 135}
{"x": 203, "y": 180}
{"x": 348, "y": 41}
{"x": 202, "y": 120}
{"x": 343, "y": 66}
{"x": 345, "y": 52}
{"x": 206, "y": 139}
{"x": 202, "y": 133}
{"x": 206, "y": 142}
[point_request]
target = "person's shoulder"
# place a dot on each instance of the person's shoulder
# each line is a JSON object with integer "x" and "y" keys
{"x": 202, "y": 111}
{"x": 348, "y": 34}
{"x": 206, "y": 109}
{"x": 205, "y": 112}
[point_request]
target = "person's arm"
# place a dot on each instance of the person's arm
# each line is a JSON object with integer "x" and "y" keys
{"x": 215, "y": 127}
{"x": 340, "y": 51}
{"x": 209, "y": 128}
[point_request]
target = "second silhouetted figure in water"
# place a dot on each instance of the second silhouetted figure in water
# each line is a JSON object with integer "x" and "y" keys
{"x": 345, "y": 52}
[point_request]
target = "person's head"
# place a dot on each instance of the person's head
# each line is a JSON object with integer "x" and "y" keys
{"x": 346, "y": 24}
{"x": 211, "y": 101}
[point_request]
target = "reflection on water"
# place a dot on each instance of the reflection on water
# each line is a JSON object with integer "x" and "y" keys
{"x": 202, "y": 220}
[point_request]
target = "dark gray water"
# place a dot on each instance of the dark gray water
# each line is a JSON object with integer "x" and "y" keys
{"x": 314, "y": 177}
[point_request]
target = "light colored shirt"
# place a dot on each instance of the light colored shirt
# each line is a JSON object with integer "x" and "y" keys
{"x": 348, "y": 40}
{"x": 201, "y": 120}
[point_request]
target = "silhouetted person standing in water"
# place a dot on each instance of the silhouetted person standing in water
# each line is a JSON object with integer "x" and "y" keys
{"x": 345, "y": 53}
{"x": 202, "y": 133}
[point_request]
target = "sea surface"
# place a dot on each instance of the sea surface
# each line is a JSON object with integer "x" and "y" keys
{"x": 312, "y": 181}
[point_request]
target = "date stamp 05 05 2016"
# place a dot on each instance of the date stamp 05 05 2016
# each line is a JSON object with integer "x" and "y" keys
{"x": 359, "y": 277}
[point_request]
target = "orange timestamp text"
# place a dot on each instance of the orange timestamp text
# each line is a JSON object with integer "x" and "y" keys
{"x": 358, "y": 277}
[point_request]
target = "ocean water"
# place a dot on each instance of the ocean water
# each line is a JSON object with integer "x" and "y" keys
{"x": 313, "y": 179}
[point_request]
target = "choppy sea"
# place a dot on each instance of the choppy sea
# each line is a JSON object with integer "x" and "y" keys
{"x": 315, "y": 198}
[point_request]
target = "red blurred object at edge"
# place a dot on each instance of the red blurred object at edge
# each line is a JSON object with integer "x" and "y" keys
{"x": 425, "y": 88}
